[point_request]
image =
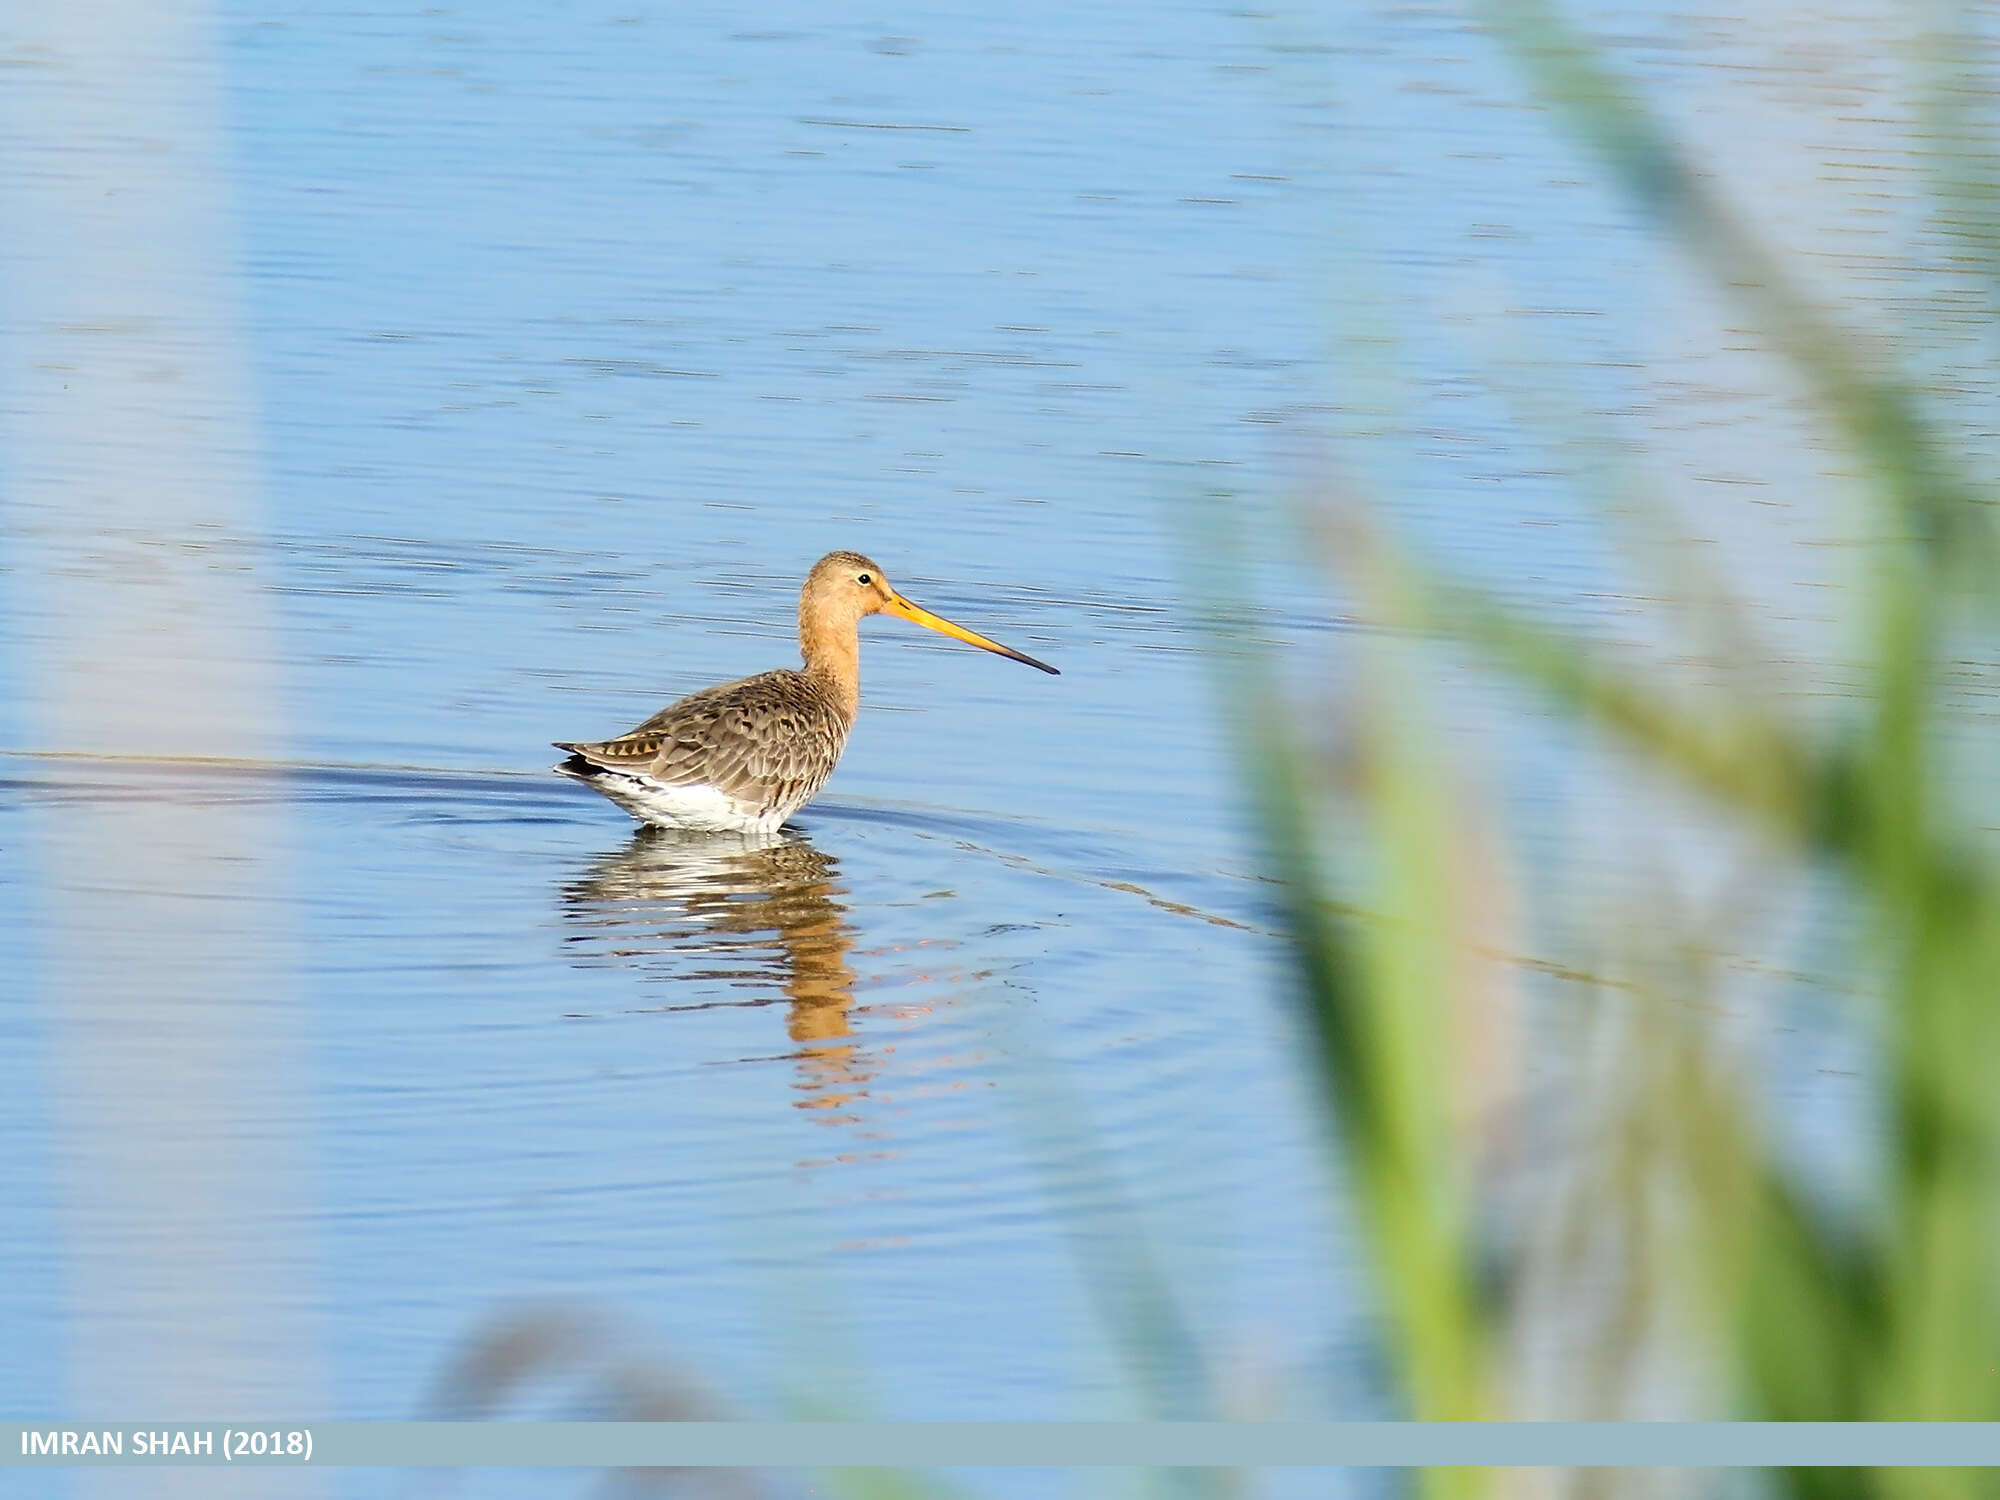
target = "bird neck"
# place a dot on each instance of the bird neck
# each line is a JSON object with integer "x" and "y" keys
{"x": 833, "y": 657}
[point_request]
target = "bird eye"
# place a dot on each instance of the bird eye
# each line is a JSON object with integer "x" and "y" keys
{"x": 864, "y": 578}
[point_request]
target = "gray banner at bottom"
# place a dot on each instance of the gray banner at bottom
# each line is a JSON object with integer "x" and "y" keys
{"x": 904, "y": 1445}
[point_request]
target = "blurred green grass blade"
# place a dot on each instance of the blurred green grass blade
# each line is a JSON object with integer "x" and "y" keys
{"x": 1945, "y": 1193}
{"x": 1932, "y": 501}
{"x": 1810, "y": 1303}
{"x": 1422, "y": 1253}
{"x": 1805, "y": 1301}
{"x": 1955, "y": 105}
{"x": 1744, "y": 759}
{"x": 1393, "y": 1132}
{"x": 1861, "y": 801}
{"x": 1934, "y": 1484}
{"x": 887, "y": 1484}
{"x": 1933, "y": 907}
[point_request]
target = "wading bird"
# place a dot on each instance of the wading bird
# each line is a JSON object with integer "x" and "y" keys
{"x": 743, "y": 757}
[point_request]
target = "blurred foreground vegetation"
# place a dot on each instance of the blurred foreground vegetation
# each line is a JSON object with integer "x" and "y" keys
{"x": 1687, "y": 1251}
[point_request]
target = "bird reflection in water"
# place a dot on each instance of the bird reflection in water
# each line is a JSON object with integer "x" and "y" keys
{"x": 759, "y": 916}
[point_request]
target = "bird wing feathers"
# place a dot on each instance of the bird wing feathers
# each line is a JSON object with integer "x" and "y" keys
{"x": 773, "y": 738}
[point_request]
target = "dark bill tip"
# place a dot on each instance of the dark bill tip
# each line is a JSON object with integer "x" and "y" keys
{"x": 1029, "y": 661}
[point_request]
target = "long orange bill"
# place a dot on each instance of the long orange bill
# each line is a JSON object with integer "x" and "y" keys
{"x": 902, "y": 607}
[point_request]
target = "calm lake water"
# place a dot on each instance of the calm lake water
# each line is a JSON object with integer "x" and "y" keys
{"x": 519, "y": 362}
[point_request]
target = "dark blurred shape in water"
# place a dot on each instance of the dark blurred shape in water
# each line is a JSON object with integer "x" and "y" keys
{"x": 517, "y": 1353}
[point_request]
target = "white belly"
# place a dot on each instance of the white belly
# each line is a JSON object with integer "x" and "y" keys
{"x": 699, "y": 808}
